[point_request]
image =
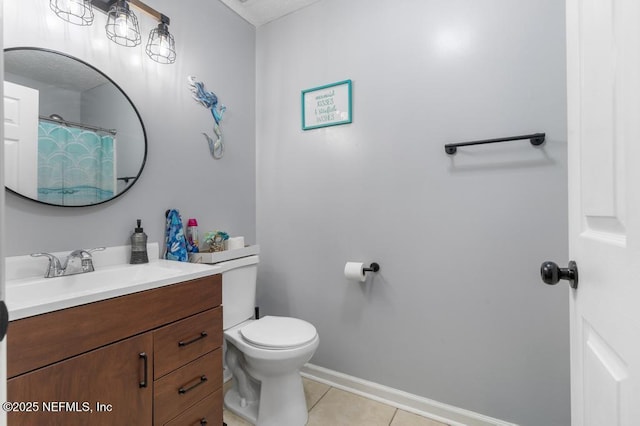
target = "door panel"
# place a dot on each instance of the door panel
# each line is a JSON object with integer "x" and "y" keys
{"x": 603, "y": 80}
{"x": 602, "y": 188}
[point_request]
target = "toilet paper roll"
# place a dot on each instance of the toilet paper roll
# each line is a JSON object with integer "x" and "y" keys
{"x": 235, "y": 243}
{"x": 354, "y": 271}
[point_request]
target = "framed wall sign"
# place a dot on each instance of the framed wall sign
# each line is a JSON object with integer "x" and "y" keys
{"x": 328, "y": 105}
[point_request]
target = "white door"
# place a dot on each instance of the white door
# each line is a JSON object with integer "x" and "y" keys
{"x": 21, "y": 139}
{"x": 603, "y": 68}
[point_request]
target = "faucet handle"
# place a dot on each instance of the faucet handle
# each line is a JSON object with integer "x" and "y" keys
{"x": 84, "y": 253}
{"x": 87, "y": 259}
{"x": 79, "y": 261}
{"x": 54, "y": 269}
{"x": 95, "y": 249}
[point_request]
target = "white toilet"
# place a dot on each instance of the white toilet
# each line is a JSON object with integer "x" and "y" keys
{"x": 265, "y": 355}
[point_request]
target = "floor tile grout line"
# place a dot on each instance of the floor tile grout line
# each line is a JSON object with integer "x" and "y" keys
{"x": 320, "y": 399}
{"x": 393, "y": 417}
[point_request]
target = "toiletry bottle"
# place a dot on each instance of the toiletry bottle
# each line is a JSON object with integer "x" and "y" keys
{"x": 139, "y": 245}
{"x": 192, "y": 234}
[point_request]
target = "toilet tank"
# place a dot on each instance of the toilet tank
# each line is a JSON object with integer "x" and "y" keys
{"x": 238, "y": 290}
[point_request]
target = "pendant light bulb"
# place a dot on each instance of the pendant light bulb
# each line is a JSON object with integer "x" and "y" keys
{"x": 122, "y": 25}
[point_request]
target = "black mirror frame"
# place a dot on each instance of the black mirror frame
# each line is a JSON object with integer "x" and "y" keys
{"x": 144, "y": 131}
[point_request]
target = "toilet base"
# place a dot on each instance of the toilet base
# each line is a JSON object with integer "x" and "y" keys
{"x": 282, "y": 402}
{"x": 232, "y": 402}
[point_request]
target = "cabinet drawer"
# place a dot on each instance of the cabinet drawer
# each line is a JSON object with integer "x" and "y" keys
{"x": 187, "y": 385}
{"x": 208, "y": 411}
{"x": 177, "y": 344}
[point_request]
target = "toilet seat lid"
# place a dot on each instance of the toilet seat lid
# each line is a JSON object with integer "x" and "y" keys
{"x": 278, "y": 332}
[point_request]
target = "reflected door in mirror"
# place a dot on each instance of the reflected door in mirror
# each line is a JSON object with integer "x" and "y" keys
{"x": 20, "y": 136}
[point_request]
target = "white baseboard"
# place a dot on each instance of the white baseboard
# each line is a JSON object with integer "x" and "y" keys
{"x": 438, "y": 411}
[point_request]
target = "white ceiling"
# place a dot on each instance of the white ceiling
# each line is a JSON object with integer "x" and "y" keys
{"x": 51, "y": 70}
{"x": 259, "y": 12}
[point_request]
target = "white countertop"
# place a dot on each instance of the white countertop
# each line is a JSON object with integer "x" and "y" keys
{"x": 28, "y": 293}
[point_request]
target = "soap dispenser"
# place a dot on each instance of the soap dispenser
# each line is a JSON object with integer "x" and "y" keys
{"x": 139, "y": 245}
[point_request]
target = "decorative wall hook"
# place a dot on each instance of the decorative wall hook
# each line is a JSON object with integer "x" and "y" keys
{"x": 210, "y": 100}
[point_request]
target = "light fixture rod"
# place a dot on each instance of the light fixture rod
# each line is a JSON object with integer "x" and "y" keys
{"x": 148, "y": 9}
{"x": 137, "y": 3}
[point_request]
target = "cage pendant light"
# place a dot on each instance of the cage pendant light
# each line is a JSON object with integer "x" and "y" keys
{"x": 161, "y": 46}
{"x": 78, "y": 12}
{"x": 122, "y": 25}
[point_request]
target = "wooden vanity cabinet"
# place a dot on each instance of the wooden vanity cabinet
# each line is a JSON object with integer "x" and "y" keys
{"x": 153, "y": 357}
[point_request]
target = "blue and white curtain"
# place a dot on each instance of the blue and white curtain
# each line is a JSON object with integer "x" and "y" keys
{"x": 75, "y": 166}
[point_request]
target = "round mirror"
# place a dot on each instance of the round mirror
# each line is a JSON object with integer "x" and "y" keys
{"x": 72, "y": 136}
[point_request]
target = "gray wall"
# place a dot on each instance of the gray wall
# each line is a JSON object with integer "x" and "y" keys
{"x": 213, "y": 44}
{"x": 458, "y": 313}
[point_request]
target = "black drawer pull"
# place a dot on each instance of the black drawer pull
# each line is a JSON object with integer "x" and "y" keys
{"x": 145, "y": 362}
{"x": 201, "y": 336}
{"x": 203, "y": 421}
{"x": 182, "y": 391}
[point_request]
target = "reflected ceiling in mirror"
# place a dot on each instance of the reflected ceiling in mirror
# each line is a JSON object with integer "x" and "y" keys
{"x": 72, "y": 136}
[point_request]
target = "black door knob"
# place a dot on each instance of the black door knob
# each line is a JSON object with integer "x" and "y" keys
{"x": 551, "y": 273}
{"x": 4, "y": 319}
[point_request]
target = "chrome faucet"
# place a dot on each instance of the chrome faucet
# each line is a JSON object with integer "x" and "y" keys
{"x": 77, "y": 262}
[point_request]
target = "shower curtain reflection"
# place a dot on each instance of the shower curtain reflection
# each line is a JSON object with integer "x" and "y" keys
{"x": 75, "y": 166}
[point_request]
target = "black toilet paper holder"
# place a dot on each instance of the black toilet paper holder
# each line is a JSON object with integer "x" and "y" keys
{"x": 374, "y": 267}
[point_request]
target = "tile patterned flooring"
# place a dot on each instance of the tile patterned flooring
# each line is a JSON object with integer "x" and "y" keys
{"x": 329, "y": 406}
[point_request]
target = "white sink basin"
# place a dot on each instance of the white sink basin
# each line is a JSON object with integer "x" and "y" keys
{"x": 36, "y": 295}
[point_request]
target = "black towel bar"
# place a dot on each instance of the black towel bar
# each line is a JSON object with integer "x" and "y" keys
{"x": 535, "y": 139}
